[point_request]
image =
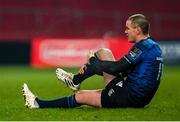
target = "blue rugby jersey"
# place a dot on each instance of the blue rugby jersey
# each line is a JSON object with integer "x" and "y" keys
{"x": 144, "y": 76}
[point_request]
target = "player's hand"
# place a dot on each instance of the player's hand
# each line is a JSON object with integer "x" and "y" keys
{"x": 91, "y": 54}
{"x": 81, "y": 70}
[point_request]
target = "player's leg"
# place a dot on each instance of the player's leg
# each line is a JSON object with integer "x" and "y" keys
{"x": 88, "y": 70}
{"x": 63, "y": 102}
{"x": 33, "y": 102}
{"x": 83, "y": 97}
{"x": 89, "y": 97}
{"x": 86, "y": 97}
{"x": 74, "y": 81}
{"x": 106, "y": 54}
{"x": 114, "y": 95}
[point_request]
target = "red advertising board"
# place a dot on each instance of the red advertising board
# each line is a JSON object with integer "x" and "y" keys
{"x": 71, "y": 52}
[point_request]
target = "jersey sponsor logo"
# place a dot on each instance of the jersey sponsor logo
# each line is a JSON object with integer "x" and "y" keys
{"x": 110, "y": 92}
{"x": 120, "y": 84}
{"x": 134, "y": 52}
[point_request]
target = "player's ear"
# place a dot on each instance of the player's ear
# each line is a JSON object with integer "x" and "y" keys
{"x": 138, "y": 30}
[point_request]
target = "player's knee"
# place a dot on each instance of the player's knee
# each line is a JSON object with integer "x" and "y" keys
{"x": 79, "y": 96}
{"x": 103, "y": 51}
{"x": 105, "y": 54}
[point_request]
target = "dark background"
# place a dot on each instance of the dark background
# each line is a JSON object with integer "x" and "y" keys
{"x": 23, "y": 20}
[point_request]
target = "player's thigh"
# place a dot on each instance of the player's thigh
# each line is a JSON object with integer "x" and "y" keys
{"x": 89, "y": 97}
{"x": 115, "y": 94}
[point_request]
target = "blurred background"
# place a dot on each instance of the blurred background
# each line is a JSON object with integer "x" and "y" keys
{"x": 36, "y": 36}
{"x": 45, "y": 33}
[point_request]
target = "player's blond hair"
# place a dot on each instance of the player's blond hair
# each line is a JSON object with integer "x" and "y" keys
{"x": 139, "y": 20}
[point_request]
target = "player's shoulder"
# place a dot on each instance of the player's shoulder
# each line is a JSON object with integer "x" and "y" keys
{"x": 147, "y": 43}
{"x": 152, "y": 47}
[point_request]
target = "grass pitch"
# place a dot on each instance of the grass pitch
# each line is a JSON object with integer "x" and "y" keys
{"x": 164, "y": 106}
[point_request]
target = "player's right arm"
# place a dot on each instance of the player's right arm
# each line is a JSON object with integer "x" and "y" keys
{"x": 120, "y": 66}
{"x": 111, "y": 67}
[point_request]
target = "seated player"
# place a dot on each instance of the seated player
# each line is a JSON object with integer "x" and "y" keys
{"x": 130, "y": 81}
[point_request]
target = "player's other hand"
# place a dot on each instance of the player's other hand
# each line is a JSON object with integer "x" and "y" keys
{"x": 91, "y": 54}
{"x": 81, "y": 70}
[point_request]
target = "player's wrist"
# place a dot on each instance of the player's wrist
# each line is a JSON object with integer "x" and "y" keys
{"x": 92, "y": 60}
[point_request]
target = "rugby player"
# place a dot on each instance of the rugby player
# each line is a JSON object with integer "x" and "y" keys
{"x": 131, "y": 81}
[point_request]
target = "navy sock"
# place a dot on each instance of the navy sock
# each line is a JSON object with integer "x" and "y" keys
{"x": 65, "y": 102}
{"x": 88, "y": 72}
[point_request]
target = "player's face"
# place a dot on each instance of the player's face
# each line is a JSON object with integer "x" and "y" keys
{"x": 130, "y": 32}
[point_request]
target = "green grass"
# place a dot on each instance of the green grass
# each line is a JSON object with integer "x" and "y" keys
{"x": 164, "y": 106}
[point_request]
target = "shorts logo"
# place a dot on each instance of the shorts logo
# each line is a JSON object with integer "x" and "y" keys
{"x": 120, "y": 84}
{"x": 111, "y": 91}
